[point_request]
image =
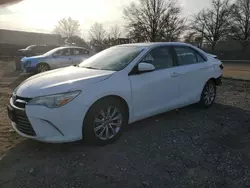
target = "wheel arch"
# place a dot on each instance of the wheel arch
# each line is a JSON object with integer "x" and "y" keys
{"x": 110, "y": 97}
{"x": 210, "y": 79}
{"x": 42, "y": 62}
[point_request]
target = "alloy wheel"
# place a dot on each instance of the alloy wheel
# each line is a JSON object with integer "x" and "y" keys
{"x": 107, "y": 123}
{"x": 43, "y": 68}
{"x": 209, "y": 94}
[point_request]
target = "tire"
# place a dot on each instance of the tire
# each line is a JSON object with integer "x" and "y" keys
{"x": 42, "y": 67}
{"x": 208, "y": 95}
{"x": 94, "y": 132}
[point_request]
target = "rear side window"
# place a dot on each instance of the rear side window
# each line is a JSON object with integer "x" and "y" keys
{"x": 76, "y": 51}
{"x": 188, "y": 56}
{"x": 79, "y": 51}
{"x": 83, "y": 51}
{"x": 200, "y": 58}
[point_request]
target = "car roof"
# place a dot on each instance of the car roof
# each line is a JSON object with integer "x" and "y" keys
{"x": 67, "y": 47}
{"x": 155, "y": 44}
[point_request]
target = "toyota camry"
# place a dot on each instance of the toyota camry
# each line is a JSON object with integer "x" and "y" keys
{"x": 123, "y": 84}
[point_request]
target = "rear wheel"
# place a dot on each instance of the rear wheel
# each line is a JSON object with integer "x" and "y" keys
{"x": 104, "y": 122}
{"x": 42, "y": 67}
{"x": 208, "y": 94}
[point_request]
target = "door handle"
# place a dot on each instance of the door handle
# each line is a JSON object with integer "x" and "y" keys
{"x": 174, "y": 74}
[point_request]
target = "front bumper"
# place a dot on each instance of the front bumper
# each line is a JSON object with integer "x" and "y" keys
{"x": 29, "y": 69}
{"x": 57, "y": 125}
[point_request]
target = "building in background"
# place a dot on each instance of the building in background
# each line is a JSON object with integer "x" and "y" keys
{"x": 28, "y": 38}
{"x": 11, "y": 41}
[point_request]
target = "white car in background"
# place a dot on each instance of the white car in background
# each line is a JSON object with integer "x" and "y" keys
{"x": 120, "y": 85}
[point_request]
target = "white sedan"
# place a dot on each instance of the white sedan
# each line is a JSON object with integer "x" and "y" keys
{"x": 120, "y": 85}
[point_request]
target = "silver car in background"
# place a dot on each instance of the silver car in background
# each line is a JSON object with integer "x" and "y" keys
{"x": 53, "y": 59}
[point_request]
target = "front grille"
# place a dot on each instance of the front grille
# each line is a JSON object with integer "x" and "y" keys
{"x": 20, "y": 117}
{"x": 21, "y": 102}
{"x": 23, "y": 124}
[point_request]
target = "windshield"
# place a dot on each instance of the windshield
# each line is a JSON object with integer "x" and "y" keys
{"x": 115, "y": 59}
{"x": 51, "y": 51}
{"x": 30, "y": 47}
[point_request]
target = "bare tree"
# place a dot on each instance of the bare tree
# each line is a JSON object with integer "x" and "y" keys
{"x": 67, "y": 27}
{"x": 154, "y": 20}
{"x": 240, "y": 27}
{"x": 115, "y": 32}
{"x": 214, "y": 23}
{"x": 97, "y": 33}
{"x": 194, "y": 38}
{"x": 78, "y": 41}
{"x": 189, "y": 37}
{"x": 112, "y": 35}
{"x": 136, "y": 33}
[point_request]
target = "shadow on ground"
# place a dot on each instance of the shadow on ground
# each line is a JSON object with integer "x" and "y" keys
{"x": 191, "y": 147}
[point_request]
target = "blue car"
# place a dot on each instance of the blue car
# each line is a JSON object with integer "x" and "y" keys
{"x": 56, "y": 58}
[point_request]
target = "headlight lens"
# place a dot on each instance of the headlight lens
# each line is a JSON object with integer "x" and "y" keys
{"x": 55, "y": 101}
{"x": 27, "y": 64}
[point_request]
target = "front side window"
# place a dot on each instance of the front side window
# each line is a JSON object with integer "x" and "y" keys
{"x": 188, "y": 56}
{"x": 76, "y": 51}
{"x": 115, "y": 58}
{"x": 30, "y": 47}
{"x": 63, "y": 52}
{"x": 160, "y": 57}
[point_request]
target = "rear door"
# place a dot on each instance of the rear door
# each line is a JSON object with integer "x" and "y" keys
{"x": 193, "y": 71}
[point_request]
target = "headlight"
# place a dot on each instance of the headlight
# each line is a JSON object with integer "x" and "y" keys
{"x": 55, "y": 101}
{"x": 27, "y": 64}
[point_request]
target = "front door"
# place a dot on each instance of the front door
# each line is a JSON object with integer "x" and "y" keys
{"x": 62, "y": 58}
{"x": 157, "y": 91}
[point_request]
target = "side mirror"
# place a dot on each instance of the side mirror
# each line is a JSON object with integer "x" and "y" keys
{"x": 145, "y": 67}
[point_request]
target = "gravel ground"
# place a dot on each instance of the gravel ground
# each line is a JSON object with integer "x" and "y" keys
{"x": 9, "y": 79}
{"x": 191, "y": 147}
{"x": 237, "y": 70}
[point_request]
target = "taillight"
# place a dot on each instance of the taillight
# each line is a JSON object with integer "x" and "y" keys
{"x": 221, "y": 67}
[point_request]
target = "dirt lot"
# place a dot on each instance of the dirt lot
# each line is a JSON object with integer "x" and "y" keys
{"x": 237, "y": 70}
{"x": 8, "y": 81}
{"x": 192, "y": 147}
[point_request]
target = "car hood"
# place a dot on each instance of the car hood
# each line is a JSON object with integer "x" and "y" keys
{"x": 33, "y": 57}
{"x": 60, "y": 81}
{"x": 25, "y": 52}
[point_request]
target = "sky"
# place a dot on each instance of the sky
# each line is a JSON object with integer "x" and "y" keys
{"x": 43, "y": 15}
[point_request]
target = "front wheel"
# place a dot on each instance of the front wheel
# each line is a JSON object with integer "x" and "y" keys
{"x": 42, "y": 67}
{"x": 104, "y": 122}
{"x": 208, "y": 94}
